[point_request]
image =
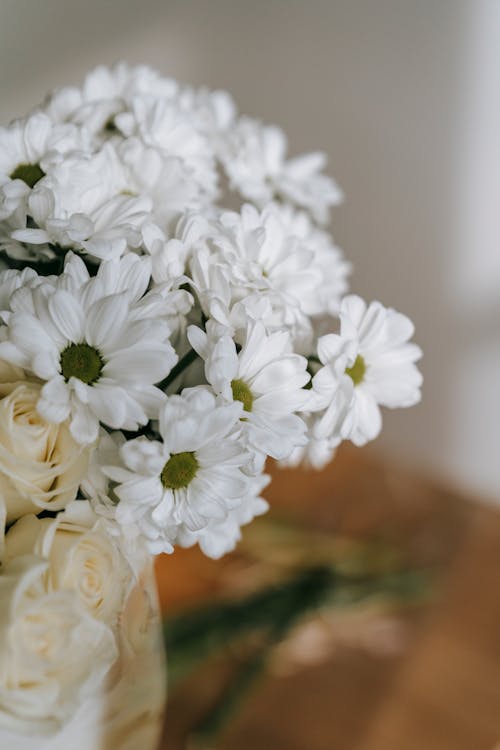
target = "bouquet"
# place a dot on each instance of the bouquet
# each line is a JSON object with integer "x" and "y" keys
{"x": 174, "y": 312}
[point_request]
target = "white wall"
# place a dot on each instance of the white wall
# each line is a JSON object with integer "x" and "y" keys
{"x": 404, "y": 96}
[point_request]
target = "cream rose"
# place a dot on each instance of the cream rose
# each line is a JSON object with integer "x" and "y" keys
{"x": 53, "y": 653}
{"x": 41, "y": 466}
{"x": 81, "y": 557}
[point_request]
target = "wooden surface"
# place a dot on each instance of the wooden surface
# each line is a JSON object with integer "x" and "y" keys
{"x": 427, "y": 678}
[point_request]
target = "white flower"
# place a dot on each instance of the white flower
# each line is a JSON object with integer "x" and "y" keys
{"x": 164, "y": 179}
{"x": 85, "y": 203}
{"x": 219, "y": 537}
{"x": 150, "y": 277}
{"x": 330, "y": 266}
{"x": 105, "y": 93}
{"x": 254, "y": 157}
{"x": 41, "y": 465}
{"x": 266, "y": 376}
{"x": 193, "y": 476}
{"x": 262, "y": 255}
{"x": 54, "y": 654}
{"x": 370, "y": 363}
{"x": 270, "y": 273}
{"x": 280, "y": 252}
{"x": 168, "y": 255}
{"x": 82, "y": 558}
{"x": 160, "y": 124}
{"x": 10, "y": 281}
{"x": 27, "y": 150}
{"x": 212, "y": 111}
{"x": 97, "y": 342}
{"x": 211, "y": 281}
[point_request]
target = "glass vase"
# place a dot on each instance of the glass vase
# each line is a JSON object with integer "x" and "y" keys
{"x": 126, "y": 713}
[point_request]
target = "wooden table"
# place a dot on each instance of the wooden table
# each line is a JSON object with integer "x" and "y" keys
{"x": 427, "y": 679}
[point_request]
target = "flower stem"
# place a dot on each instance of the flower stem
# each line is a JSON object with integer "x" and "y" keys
{"x": 278, "y": 609}
{"x": 272, "y": 612}
{"x": 179, "y": 368}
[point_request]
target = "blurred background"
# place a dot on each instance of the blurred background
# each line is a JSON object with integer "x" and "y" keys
{"x": 403, "y": 95}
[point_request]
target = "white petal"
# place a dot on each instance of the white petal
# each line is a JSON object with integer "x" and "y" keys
{"x": 84, "y": 425}
{"x": 76, "y": 268}
{"x": 28, "y": 334}
{"x": 162, "y": 514}
{"x": 105, "y": 320}
{"x": 329, "y": 347}
{"x": 67, "y": 315}
{"x": 368, "y": 420}
{"x": 143, "y": 490}
{"x": 108, "y": 403}
{"x": 144, "y": 456}
{"x": 145, "y": 364}
{"x": 54, "y": 403}
{"x": 198, "y": 340}
{"x": 46, "y": 365}
{"x": 352, "y": 309}
{"x": 150, "y": 399}
{"x": 287, "y": 374}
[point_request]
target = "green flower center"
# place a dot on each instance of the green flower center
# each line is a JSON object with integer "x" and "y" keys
{"x": 357, "y": 371}
{"x": 28, "y": 173}
{"x": 81, "y": 361}
{"x": 179, "y": 471}
{"x": 241, "y": 392}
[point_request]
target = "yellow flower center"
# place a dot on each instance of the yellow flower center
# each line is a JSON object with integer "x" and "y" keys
{"x": 81, "y": 361}
{"x": 241, "y": 392}
{"x": 28, "y": 173}
{"x": 357, "y": 371}
{"x": 179, "y": 470}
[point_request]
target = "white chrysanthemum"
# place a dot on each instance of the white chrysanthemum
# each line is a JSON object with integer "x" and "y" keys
{"x": 280, "y": 251}
{"x": 161, "y": 125}
{"x": 254, "y": 157}
{"x": 27, "y": 150}
{"x": 164, "y": 179}
{"x": 125, "y": 81}
{"x": 270, "y": 272}
{"x": 328, "y": 260}
{"x": 85, "y": 204}
{"x": 124, "y": 171}
{"x": 211, "y": 280}
{"x": 97, "y": 488}
{"x": 263, "y": 256}
{"x": 168, "y": 255}
{"x": 10, "y": 281}
{"x": 266, "y": 376}
{"x": 370, "y": 364}
{"x": 212, "y": 111}
{"x": 192, "y": 477}
{"x": 97, "y": 344}
{"x": 219, "y": 537}
{"x": 105, "y": 93}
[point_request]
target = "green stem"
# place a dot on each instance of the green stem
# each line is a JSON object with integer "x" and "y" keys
{"x": 314, "y": 360}
{"x": 302, "y": 594}
{"x": 193, "y": 636}
{"x": 179, "y": 368}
